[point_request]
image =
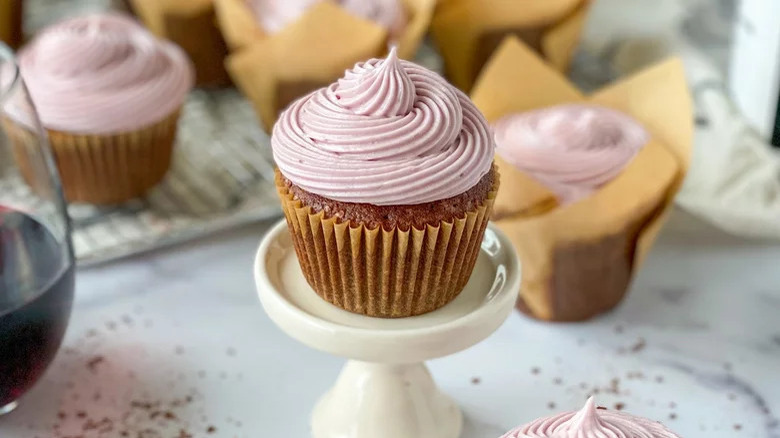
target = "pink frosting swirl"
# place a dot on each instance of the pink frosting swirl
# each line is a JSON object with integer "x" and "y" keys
{"x": 274, "y": 15}
{"x": 388, "y": 133}
{"x": 104, "y": 74}
{"x": 591, "y": 422}
{"x": 571, "y": 149}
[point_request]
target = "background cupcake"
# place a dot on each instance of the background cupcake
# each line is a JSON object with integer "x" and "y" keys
{"x": 11, "y": 22}
{"x": 191, "y": 24}
{"x": 387, "y": 185}
{"x": 592, "y": 422}
{"x": 109, "y": 94}
{"x": 282, "y": 50}
{"x": 588, "y": 181}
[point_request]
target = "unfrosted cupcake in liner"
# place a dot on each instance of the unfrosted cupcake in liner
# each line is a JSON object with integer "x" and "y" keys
{"x": 190, "y": 24}
{"x": 467, "y": 32}
{"x": 387, "y": 184}
{"x": 109, "y": 95}
{"x": 592, "y": 422}
{"x": 282, "y": 50}
{"x": 587, "y": 181}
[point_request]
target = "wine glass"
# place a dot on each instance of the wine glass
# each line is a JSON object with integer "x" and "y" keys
{"x": 36, "y": 255}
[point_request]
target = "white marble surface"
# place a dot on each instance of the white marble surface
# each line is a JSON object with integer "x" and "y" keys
{"x": 695, "y": 345}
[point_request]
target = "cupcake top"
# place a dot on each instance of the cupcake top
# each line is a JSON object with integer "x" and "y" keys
{"x": 274, "y": 15}
{"x": 101, "y": 74}
{"x": 592, "y": 422}
{"x": 388, "y": 133}
{"x": 571, "y": 149}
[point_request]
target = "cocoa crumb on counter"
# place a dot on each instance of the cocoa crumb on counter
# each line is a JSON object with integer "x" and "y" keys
{"x": 476, "y": 380}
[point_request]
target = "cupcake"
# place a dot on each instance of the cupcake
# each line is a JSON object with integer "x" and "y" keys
{"x": 282, "y": 50}
{"x": 591, "y": 179}
{"x": 467, "y": 32}
{"x": 592, "y": 422}
{"x": 109, "y": 94}
{"x": 11, "y": 22}
{"x": 387, "y": 184}
{"x": 191, "y": 24}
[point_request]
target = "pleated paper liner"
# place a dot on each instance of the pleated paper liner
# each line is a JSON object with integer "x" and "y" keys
{"x": 101, "y": 169}
{"x": 192, "y": 25}
{"x": 385, "y": 273}
{"x": 579, "y": 259}
{"x": 467, "y": 32}
{"x": 311, "y": 52}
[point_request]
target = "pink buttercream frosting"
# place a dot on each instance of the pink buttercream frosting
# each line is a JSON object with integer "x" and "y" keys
{"x": 591, "y": 422}
{"x": 388, "y": 133}
{"x": 103, "y": 74}
{"x": 571, "y": 149}
{"x": 274, "y": 15}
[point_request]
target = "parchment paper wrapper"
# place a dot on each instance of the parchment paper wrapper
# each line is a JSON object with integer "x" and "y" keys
{"x": 385, "y": 273}
{"x": 192, "y": 25}
{"x": 101, "y": 169}
{"x": 312, "y": 52}
{"x": 578, "y": 260}
{"x": 467, "y": 32}
{"x": 11, "y": 22}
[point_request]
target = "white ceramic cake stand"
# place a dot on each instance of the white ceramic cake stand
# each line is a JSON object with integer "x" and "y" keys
{"x": 385, "y": 390}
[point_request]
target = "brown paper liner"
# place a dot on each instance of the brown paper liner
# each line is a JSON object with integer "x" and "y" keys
{"x": 192, "y": 25}
{"x": 310, "y": 53}
{"x": 385, "y": 273}
{"x": 579, "y": 259}
{"x": 11, "y": 22}
{"x": 101, "y": 169}
{"x": 467, "y": 32}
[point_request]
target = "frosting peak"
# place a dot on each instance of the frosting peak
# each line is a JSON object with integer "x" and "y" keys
{"x": 388, "y": 133}
{"x": 591, "y": 422}
{"x": 385, "y": 90}
{"x": 571, "y": 149}
{"x": 103, "y": 73}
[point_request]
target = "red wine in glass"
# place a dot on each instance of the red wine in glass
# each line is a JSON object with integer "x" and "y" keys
{"x": 36, "y": 293}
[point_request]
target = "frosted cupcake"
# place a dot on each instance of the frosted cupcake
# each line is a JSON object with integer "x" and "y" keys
{"x": 275, "y": 15}
{"x": 387, "y": 184}
{"x": 109, "y": 94}
{"x": 282, "y": 50}
{"x": 592, "y": 422}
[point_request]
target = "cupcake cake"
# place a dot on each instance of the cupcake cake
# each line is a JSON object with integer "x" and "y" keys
{"x": 467, "y": 32}
{"x": 592, "y": 422}
{"x": 387, "y": 184}
{"x": 591, "y": 179}
{"x": 190, "y": 24}
{"x": 109, "y": 94}
{"x": 282, "y": 50}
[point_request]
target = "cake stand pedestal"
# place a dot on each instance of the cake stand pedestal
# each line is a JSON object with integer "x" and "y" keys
{"x": 385, "y": 390}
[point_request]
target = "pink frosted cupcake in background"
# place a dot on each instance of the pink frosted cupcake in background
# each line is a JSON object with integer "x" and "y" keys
{"x": 109, "y": 94}
{"x": 275, "y": 15}
{"x": 592, "y": 422}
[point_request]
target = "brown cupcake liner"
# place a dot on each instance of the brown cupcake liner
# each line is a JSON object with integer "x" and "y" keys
{"x": 388, "y": 273}
{"x": 101, "y": 169}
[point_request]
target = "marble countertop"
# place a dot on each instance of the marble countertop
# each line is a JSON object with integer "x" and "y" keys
{"x": 175, "y": 344}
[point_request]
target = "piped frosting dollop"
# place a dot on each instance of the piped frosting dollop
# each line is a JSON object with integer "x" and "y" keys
{"x": 591, "y": 422}
{"x": 571, "y": 149}
{"x": 103, "y": 73}
{"x": 388, "y": 133}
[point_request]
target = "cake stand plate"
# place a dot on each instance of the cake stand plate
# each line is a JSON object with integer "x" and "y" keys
{"x": 385, "y": 390}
